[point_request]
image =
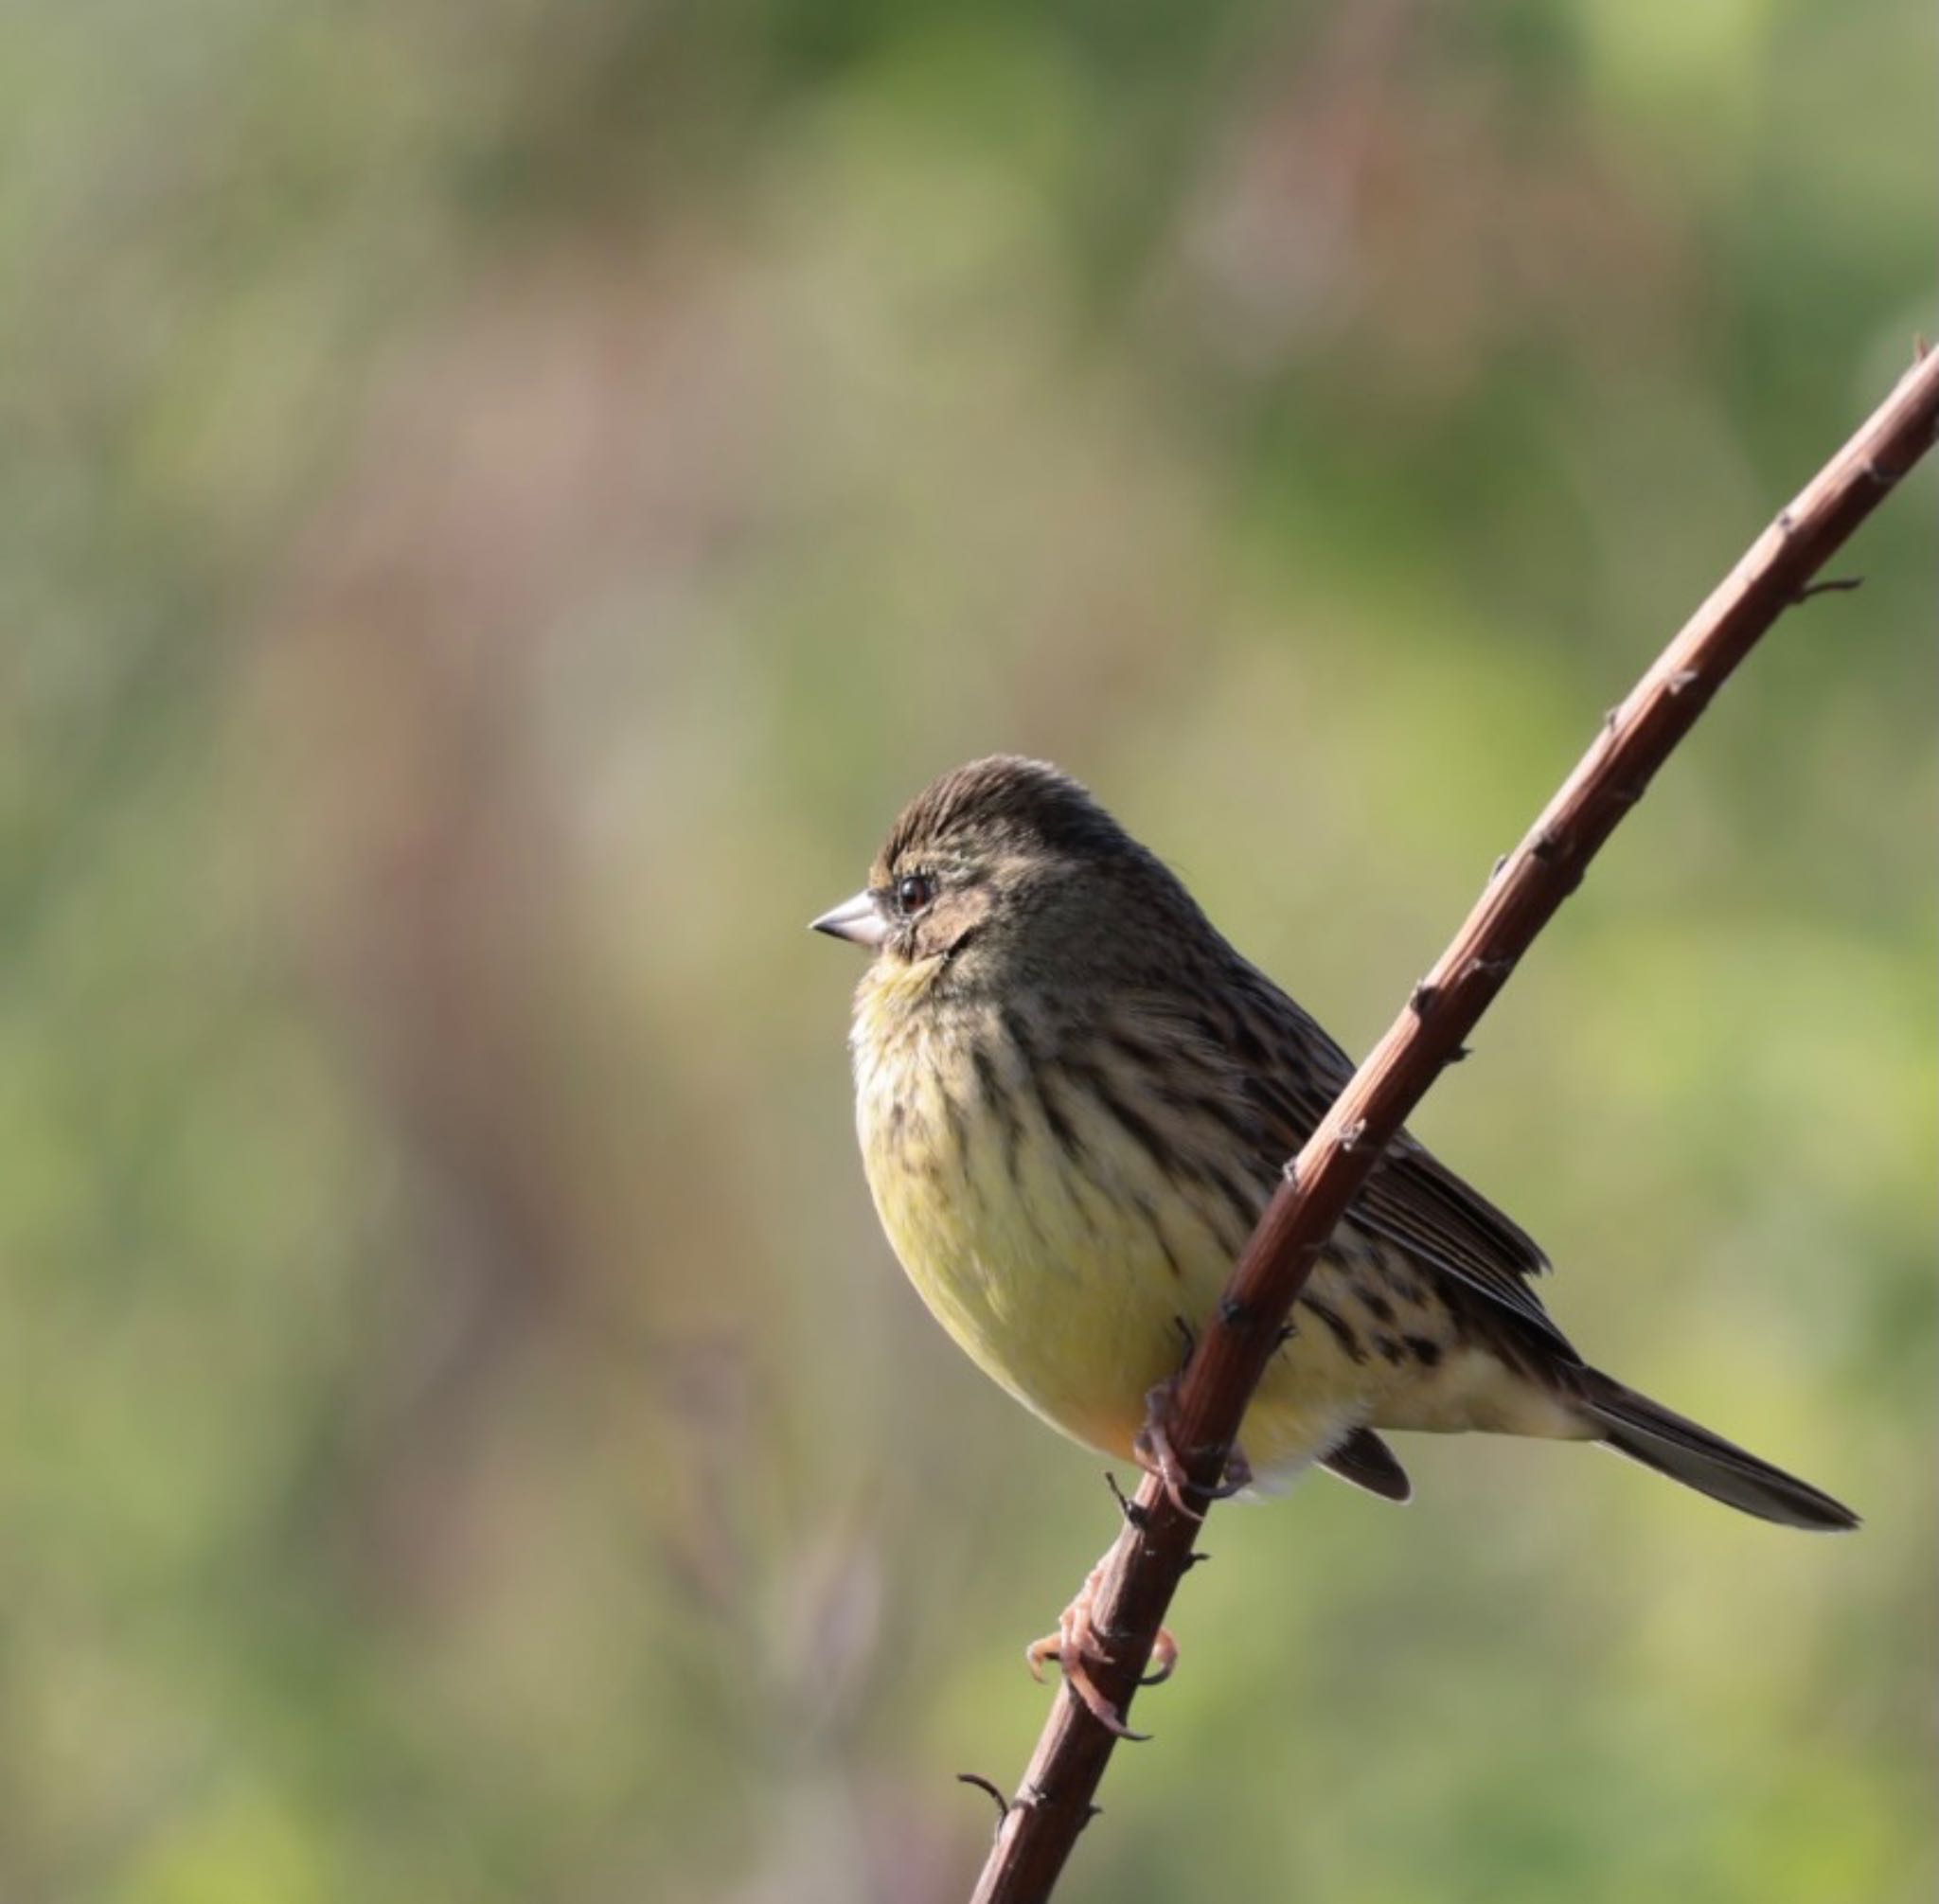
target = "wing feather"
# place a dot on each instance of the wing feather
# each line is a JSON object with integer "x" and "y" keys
{"x": 1293, "y": 1071}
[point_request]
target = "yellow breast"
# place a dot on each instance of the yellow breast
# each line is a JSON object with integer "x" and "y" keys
{"x": 1043, "y": 1236}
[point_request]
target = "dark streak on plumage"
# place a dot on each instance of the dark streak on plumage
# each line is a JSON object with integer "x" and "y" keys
{"x": 1212, "y": 1107}
{"x": 1074, "y": 1194}
{"x": 1345, "y": 1335}
{"x": 953, "y": 1114}
{"x": 996, "y": 1096}
{"x": 1425, "y": 1350}
{"x": 1245, "y": 1041}
{"x": 1017, "y": 1029}
{"x": 957, "y": 1119}
{"x": 1244, "y": 1203}
{"x": 1031, "y": 1065}
{"x": 1141, "y": 1056}
{"x": 1157, "y": 1229}
{"x": 1066, "y": 1133}
{"x": 1133, "y": 1122}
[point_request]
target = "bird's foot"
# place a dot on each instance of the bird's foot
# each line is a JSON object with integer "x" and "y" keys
{"x": 1156, "y": 1455}
{"x": 1077, "y": 1645}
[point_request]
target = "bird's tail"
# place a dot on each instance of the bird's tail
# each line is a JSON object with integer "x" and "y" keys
{"x": 1673, "y": 1445}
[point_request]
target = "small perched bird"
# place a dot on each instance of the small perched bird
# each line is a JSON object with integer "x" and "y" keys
{"x": 1074, "y": 1098}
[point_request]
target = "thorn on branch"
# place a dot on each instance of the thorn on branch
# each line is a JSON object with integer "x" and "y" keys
{"x": 1546, "y": 849}
{"x": 1500, "y": 861}
{"x": 1683, "y": 678}
{"x": 1133, "y": 1511}
{"x": 981, "y": 1784}
{"x": 1882, "y": 478}
{"x": 1236, "y": 1316}
{"x": 1350, "y": 1135}
{"x": 1193, "y": 1558}
{"x": 1487, "y": 967}
{"x": 1460, "y": 1054}
{"x": 1423, "y": 997}
{"x": 1832, "y": 585}
{"x": 1611, "y": 719}
{"x": 1289, "y": 1173}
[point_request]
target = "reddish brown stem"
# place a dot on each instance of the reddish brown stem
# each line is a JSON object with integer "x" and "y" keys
{"x": 1153, "y": 1550}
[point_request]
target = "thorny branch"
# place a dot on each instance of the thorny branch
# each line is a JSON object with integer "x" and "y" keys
{"x": 1154, "y": 1546}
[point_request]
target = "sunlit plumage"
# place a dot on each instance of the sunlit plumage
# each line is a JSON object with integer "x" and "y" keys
{"x": 1074, "y": 1098}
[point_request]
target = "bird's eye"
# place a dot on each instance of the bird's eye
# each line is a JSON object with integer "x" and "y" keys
{"x": 913, "y": 892}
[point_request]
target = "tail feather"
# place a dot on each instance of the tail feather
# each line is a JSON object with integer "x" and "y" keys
{"x": 1366, "y": 1461}
{"x": 1673, "y": 1445}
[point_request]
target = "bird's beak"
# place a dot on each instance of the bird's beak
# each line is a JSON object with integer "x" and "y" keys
{"x": 857, "y": 920}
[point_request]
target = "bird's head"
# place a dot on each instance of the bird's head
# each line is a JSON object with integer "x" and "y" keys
{"x": 998, "y": 865}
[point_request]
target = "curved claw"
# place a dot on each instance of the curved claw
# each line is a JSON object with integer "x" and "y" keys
{"x": 1164, "y": 1658}
{"x": 1100, "y": 1708}
{"x": 1156, "y": 1455}
{"x": 1076, "y": 1644}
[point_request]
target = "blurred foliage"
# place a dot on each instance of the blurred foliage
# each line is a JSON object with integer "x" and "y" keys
{"x": 506, "y": 500}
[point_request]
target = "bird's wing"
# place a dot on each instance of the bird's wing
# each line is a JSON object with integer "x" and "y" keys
{"x": 1413, "y": 1200}
{"x": 1293, "y": 1071}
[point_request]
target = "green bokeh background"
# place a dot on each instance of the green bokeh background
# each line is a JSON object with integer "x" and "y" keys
{"x": 502, "y": 503}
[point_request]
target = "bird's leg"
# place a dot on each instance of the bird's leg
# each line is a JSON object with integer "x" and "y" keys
{"x": 1078, "y": 1643}
{"x": 1156, "y": 1455}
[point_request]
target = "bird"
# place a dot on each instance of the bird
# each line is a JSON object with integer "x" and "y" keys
{"x": 1074, "y": 1098}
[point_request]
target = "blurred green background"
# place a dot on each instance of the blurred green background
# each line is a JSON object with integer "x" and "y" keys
{"x": 502, "y": 503}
